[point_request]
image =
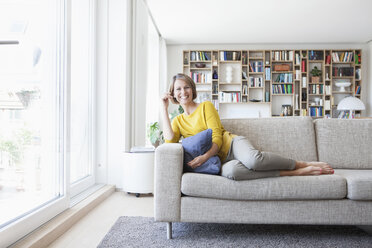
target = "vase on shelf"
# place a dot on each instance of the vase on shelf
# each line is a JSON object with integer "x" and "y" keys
{"x": 215, "y": 75}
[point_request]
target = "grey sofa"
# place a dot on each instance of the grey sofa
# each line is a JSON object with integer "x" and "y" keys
{"x": 344, "y": 198}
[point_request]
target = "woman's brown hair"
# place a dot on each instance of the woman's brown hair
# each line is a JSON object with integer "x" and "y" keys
{"x": 187, "y": 80}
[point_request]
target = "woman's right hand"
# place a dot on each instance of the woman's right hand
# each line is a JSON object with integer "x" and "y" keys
{"x": 165, "y": 99}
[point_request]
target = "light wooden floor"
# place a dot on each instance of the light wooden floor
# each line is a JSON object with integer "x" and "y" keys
{"x": 91, "y": 229}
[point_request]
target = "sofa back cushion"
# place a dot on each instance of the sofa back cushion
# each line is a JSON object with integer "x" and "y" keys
{"x": 345, "y": 144}
{"x": 292, "y": 137}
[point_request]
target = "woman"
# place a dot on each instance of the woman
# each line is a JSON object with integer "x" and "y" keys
{"x": 240, "y": 160}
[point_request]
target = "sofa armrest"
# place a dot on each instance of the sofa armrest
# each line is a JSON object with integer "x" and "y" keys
{"x": 168, "y": 174}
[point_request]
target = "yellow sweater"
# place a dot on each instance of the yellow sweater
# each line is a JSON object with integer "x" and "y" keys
{"x": 205, "y": 116}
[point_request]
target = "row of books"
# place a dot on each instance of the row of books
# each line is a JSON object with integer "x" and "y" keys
{"x": 215, "y": 103}
{"x": 201, "y": 77}
{"x": 342, "y": 71}
{"x": 229, "y": 55}
{"x": 303, "y": 112}
{"x": 245, "y": 90}
{"x": 282, "y": 89}
{"x": 203, "y": 96}
{"x": 200, "y": 56}
{"x": 284, "y": 78}
{"x": 256, "y": 81}
{"x": 282, "y": 55}
{"x": 303, "y": 66}
{"x": 316, "y": 111}
{"x": 328, "y": 59}
{"x": 357, "y": 90}
{"x": 256, "y": 66}
{"x": 315, "y": 89}
{"x": 343, "y": 115}
{"x": 327, "y": 89}
{"x": 316, "y": 55}
{"x": 230, "y": 96}
{"x": 215, "y": 88}
{"x": 298, "y": 75}
{"x": 342, "y": 57}
{"x": 304, "y": 81}
{"x": 268, "y": 73}
{"x": 297, "y": 59}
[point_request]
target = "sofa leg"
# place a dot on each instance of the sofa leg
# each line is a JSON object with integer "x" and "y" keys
{"x": 367, "y": 229}
{"x": 169, "y": 230}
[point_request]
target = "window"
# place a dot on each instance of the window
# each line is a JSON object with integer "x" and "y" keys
{"x": 31, "y": 114}
{"x": 46, "y": 120}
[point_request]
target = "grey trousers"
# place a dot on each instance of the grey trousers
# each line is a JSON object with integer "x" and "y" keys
{"x": 244, "y": 162}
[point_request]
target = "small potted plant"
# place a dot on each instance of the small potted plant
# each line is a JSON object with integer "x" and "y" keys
{"x": 154, "y": 134}
{"x": 315, "y": 73}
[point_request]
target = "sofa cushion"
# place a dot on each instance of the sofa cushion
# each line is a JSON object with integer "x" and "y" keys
{"x": 359, "y": 183}
{"x": 345, "y": 144}
{"x": 276, "y": 188}
{"x": 292, "y": 137}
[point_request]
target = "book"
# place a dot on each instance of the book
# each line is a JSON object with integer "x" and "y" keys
{"x": 303, "y": 66}
{"x": 304, "y": 82}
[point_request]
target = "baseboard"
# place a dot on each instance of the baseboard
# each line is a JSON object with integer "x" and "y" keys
{"x": 50, "y": 231}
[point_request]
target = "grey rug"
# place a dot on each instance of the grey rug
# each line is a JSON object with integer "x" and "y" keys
{"x": 145, "y": 232}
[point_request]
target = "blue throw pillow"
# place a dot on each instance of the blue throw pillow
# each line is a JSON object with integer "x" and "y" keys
{"x": 197, "y": 145}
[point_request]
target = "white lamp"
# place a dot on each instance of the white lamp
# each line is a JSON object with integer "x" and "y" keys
{"x": 351, "y": 103}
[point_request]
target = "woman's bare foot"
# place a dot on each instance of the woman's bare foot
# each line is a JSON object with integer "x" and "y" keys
{"x": 322, "y": 165}
{"x": 308, "y": 170}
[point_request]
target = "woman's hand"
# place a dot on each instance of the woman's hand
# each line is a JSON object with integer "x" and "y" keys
{"x": 196, "y": 162}
{"x": 165, "y": 100}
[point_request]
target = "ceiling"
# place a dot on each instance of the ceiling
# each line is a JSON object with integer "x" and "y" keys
{"x": 262, "y": 21}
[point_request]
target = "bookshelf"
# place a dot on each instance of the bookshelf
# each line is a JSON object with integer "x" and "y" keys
{"x": 276, "y": 78}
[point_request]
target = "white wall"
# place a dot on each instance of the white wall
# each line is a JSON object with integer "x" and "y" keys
{"x": 112, "y": 84}
{"x": 367, "y": 93}
{"x": 140, "y": 75}
{"x": 174, "y": 56}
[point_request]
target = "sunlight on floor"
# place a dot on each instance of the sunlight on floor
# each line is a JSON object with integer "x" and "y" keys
{"x": 90, "y": 230}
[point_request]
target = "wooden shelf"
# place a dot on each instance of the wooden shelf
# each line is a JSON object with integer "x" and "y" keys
{"x": 342, "y": 92}
{"x": 232, "y": 102}
{"x": 282, "y": 94}
{"x": 281, "y": 61}
{"x": 230, "y": 61}
{"x": 282, "y": 72}
{"x": 223, "y": 83}
{"x": 263, "y": 56}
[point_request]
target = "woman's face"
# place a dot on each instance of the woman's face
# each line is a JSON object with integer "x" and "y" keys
{"x": 182, "y": 92}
